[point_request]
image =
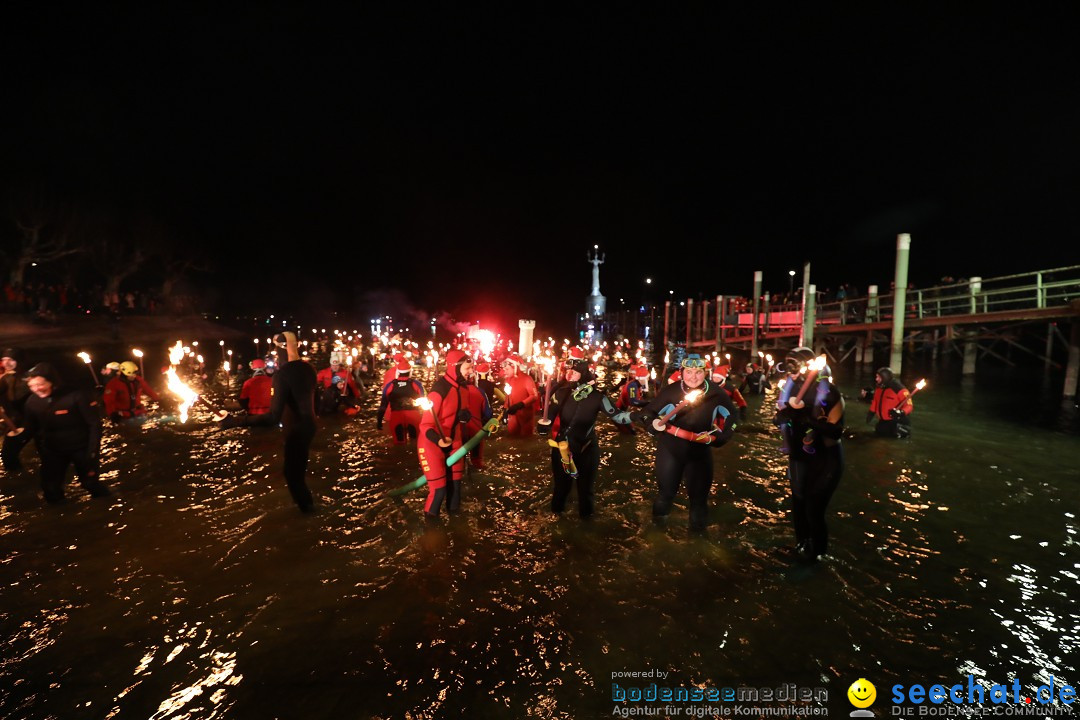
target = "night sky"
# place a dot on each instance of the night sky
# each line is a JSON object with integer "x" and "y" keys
{"x": 466, "y": 161}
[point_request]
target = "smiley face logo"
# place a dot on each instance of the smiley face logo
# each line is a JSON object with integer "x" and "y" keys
{"x": 862, "y": 693}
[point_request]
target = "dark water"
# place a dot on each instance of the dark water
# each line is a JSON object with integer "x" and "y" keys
{"x": 199, "y": 591}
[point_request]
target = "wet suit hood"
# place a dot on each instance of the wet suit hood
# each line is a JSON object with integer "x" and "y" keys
{"x": 454, "y": 359}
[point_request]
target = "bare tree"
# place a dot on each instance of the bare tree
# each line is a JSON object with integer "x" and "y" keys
{"x": 45, "y": 234}
{"x": 119, "y": 250}
{"x": 177, "y": 263}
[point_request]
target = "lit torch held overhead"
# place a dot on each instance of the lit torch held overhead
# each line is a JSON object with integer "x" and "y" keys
{"x": 813, "y": 368}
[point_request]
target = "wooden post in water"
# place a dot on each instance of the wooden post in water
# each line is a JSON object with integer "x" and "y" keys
{"x": 896, "y": 347}
{"x": 667, "y": 307}
{"x": 971, "y": 348}
{"x": 689, "y": 323}
{"x": 765, "y": 312}
{"x": 757, "y": 302}
{"x": 1049, "y": 348}
{"x": 868, "y": 349}
{"x": 809, "y": 316}
{"x": 704, "y": 319}
{"x": 719, "y": 323}
{"x": 803, "y": 334}
{"x": 871, "y": 304}
{"x": 1072, "y": 369}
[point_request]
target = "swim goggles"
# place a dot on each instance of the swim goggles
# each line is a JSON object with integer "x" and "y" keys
{"x": 694, "y": 361}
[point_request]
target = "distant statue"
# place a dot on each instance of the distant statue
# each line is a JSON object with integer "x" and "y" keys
{"x": 597, "y": 259}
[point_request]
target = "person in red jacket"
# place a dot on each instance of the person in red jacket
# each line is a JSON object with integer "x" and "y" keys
{"x": 255, "y": 394}
{"x": 632, "y": 394}
{"x": 521, "y": 402}
{"x": 337, "y": 388}
{"x": 891, "y": 405}
{"x": 123, "y": 394}
{"x": 398, "y": 407}
{"x": 444, "y": 429}
{"x": 391, "y": 374}
{"x": 255, "y": 398}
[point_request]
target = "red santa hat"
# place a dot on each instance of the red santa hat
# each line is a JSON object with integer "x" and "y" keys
{"x": 404, "y": 367}
{"x": 516, "y": 360}
{"x": 483, "y": 368}
{"x": 641, "y": 372}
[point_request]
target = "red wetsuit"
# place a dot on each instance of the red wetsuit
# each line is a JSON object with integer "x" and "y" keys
{"x": 398, "y": 408}
{"x": 893, "y": 395}
{"x": 256, "y": 392}
{"x": 123, "y": 398}
{"x": 452, "y": 403}
{"x": 521, "y": 423}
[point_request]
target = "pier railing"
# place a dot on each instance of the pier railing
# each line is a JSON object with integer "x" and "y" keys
{"x": 699, "y": 323}
{"x": 1022, "y": 291}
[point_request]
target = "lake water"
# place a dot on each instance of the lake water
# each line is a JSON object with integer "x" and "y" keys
{"x": 199, "y": 591}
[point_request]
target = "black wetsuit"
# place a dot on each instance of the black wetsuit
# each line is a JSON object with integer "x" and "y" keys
{"x": 66, "y": 427}
{"x": 576, "y": 407}
{"x": 13, "y": 395}
{"x": 815, "y": 463}
{"x": 292, "y": 403}
{"x": 755, "y": 382}
{"x": 678, "y": 458}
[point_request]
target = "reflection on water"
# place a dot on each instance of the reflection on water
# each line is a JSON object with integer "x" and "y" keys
{"x": 198, "y": 590}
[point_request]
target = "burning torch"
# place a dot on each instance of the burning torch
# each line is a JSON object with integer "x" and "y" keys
{"x": 689, "y": 399}
{"x": 85, "y": 357}
{"x": 813, "y": 368}
{"x": 139, "y": 354}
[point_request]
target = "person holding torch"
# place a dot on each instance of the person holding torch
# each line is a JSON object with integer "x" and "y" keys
{"x": 811, "y": 418}
{"x": 891, "y": 405}
{"x": 123, "y": 396}
{"x": 521, "y": 400}
{"x": 575, "y": 452}
{"x": 398, "y": 407}
{"x": 689, "y": 418}
{"x": 292, "y": 403}
{"x": 458, "y": 411}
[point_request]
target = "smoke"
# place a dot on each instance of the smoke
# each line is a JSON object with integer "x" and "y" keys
{"x": 446, "y": 321}
{"x": 395, "y": 303}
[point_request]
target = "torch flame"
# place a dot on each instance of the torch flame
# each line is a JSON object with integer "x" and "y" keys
{"x": 817, "y": 363}
{"x": 692, "y": 396}
{"x": 176, "y": 353}
{"x": 85, "y": 357}
{"x": 137, "y": 352}
{"x": 921, "y": 384}
{"x": 182, "y": 391}
{"x": 422, "y": 403}
{"x": 507, "y": 389}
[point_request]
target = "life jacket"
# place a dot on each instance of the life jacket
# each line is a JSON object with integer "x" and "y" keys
{"x": 124, "y": 398}
{"x": 257, "y": 392}
{"x": 891, "y": 395}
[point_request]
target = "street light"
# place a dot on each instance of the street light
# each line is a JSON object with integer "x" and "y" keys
{"x": 790, "y": 283}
